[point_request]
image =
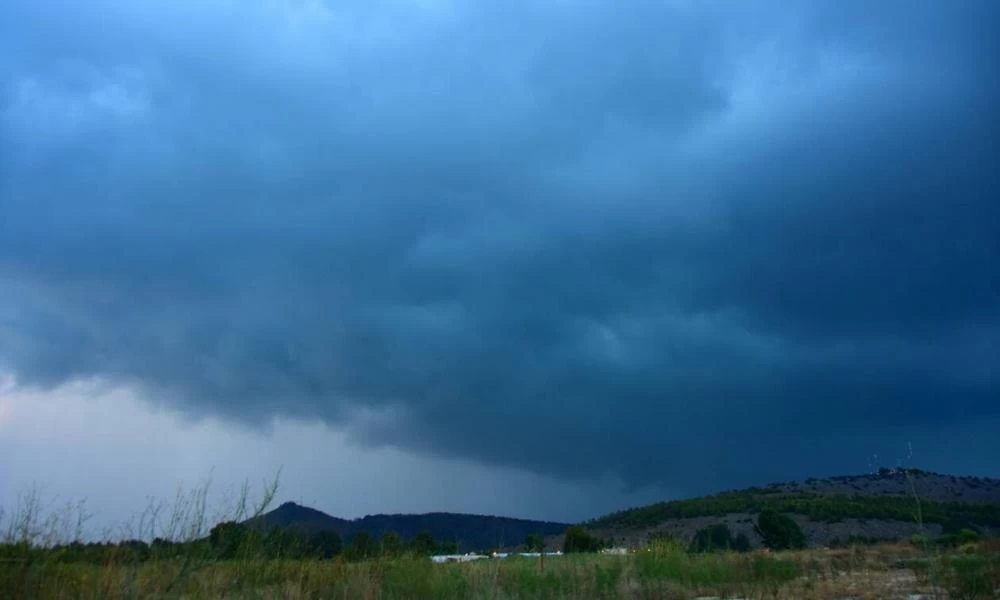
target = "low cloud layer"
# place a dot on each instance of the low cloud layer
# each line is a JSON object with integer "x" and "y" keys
{"x": 683, "y": 244}
{"x": 93, "y": 443}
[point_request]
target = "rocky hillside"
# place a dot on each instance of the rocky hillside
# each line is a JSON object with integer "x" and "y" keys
{"x": 882, "y": 505}
{"x": 895, "y": 482}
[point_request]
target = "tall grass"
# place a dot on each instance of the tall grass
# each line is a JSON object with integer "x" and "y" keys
{"x": 578, "y": 576}
{"x": 812, "y": 574}
{"x": 41, "y": 546}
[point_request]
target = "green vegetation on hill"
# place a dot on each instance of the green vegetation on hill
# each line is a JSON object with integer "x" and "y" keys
{"x": 953, "y": 516}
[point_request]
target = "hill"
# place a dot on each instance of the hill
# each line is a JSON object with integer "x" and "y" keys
{"x": 880, "y": 505}
{"x": 472, "y": 532}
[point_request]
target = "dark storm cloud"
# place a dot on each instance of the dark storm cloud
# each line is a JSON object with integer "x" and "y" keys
{"x": 571, "y": 237}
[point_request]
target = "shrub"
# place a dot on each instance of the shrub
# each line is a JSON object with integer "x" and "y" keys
{"x": 967, "y": 577}
{"x": 778, "y": 531}
{"x": 579, "y": 539}
{"x": 967, "y": 536}
{"x": 227, "y": 538}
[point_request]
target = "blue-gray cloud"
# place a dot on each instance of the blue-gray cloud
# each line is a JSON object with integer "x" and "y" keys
{"x": 682, "y": 243}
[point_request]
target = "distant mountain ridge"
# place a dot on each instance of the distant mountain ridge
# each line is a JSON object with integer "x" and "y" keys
{"x": 472, "y": 532}
{"x": 828, "y": 509}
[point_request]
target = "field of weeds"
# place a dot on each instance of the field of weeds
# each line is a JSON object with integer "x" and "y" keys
{"x": 887, "y": 571}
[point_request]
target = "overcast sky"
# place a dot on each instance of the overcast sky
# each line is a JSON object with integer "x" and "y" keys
{"x": 543, "y": 259}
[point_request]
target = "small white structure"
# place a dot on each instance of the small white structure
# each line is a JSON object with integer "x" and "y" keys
{"x": 448, "y": 558}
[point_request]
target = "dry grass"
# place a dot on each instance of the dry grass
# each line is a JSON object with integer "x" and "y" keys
{"x": 879, "y": 572}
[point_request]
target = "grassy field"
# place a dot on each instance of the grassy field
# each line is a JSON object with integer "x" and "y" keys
{"x": 886, "y": 571}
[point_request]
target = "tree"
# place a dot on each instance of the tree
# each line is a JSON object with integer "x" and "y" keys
{"x": 226, "y": 539}
{"x": 423, "y": 544}
{"x": 326, "y": 544}
{"x": 718, "y": 537}
{"x": 534, "y": 542}
{"x": 360, "y": 547}
{"x": 391, "y": 544}
{"x": 579, "y": 539}
{"x": 778, "y": 531}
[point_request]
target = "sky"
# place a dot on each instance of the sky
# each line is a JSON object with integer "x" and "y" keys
{"x": 543, "y": 259}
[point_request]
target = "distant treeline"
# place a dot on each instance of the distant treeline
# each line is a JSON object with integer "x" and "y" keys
{"x": 231, "y": 540}
{"x": 952, "y": 516}
{"x": 238, "y": 541}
